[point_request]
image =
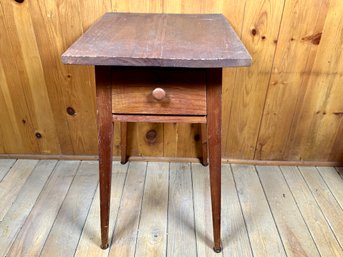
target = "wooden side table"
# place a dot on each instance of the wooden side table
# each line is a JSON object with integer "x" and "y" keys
{"x": 158, "y": 68}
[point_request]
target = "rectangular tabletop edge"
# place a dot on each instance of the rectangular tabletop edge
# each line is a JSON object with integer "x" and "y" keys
{"x": 155, "y": 62}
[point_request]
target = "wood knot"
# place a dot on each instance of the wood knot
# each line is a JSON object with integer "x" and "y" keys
{"x": 38, "y": 135}
{"x": 253, "y": 31}
{"x": 71, "y": 111}
{"x": 19, "y": 1}
{"x": 151, "y": 136}
{"x": 314, "y": 39}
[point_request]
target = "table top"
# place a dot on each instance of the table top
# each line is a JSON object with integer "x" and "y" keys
{"x": 166, "y": 40}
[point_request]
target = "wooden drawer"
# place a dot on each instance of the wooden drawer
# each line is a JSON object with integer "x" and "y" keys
{"x": 184, "y": 89}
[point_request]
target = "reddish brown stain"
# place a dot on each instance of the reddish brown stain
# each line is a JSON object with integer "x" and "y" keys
{"x": 314, "y": 39}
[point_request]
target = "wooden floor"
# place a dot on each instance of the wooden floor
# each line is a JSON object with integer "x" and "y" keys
{"x": 50, "y": 208}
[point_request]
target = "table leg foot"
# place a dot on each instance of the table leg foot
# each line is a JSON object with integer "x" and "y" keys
{"x": 104, "y": 246}
{"x": 217, "y": 249}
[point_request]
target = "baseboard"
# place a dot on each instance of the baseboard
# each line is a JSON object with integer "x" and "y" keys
{"x": 174, "y": 159}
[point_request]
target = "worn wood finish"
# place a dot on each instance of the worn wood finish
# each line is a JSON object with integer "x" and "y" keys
{"x": 160, "y": 119}
{"x": 179, "y": 95}
{"x": 133, "y": 87}
{"x": 105, "y": 136}
{"x": 214, "y": 119}
{"x": 166, "y": 40}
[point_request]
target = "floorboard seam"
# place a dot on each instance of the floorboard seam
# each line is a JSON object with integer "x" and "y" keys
{"x": 140, "y": 210}
{"x": 334, "y": 196}
{"x": 119, "y": 204}
{"x": 167, "y": 228}
{"x": 77, "y": 171}
{"x": 38, "y": 197}
{"x": 195, "y": 225}
{"x": 271, "y": 211}
{"x": 302, "y": 216}
{"x": 244, "y": 218}
{"x": 320, "y": 209}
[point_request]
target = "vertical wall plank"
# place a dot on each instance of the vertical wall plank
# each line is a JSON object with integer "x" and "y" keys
{"x": 13, "y": 89}
{"x": 319, "y": 114}
{"x": 8, "y": 128}
{"x": 260, "y": 28}
{"x": 296, "y": 47}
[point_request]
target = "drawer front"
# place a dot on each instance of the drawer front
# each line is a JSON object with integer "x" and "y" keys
{"x": 159, "y": 91}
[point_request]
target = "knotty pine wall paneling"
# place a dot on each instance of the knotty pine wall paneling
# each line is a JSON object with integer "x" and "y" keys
{"x": 286, "y": 106}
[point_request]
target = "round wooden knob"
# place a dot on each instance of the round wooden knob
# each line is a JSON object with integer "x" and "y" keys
{"x": 158, "y": 93}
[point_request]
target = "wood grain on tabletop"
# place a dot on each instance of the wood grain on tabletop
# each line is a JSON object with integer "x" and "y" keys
{"x": 169, "y": 40}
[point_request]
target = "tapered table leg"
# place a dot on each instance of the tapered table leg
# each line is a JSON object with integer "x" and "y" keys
{"x": 204, "y": 148}
{"x": 105, "y": 137}
{"x": 123, "y": 142}
{"x": 214, "y": 108}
